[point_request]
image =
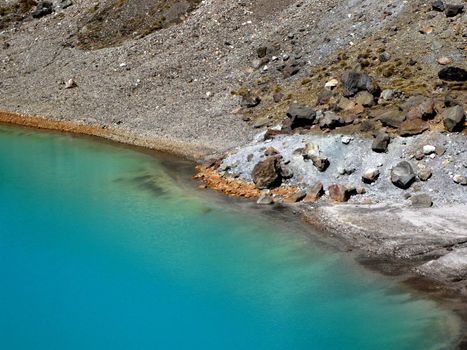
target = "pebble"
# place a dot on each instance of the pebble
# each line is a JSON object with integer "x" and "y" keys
{"x": 429, "y": 149}
{"x": 346, "y": 139}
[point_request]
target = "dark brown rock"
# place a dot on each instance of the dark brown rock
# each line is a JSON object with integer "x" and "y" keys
{"x": 301, "y": 115}
{"x": 392, "y": 118}
{"x": 321, "y": 163}
{"x": 266, "y": 174}
{"x": 314, "y": 193}
{"x": 339, "y": 193}
{"x": 413, "y": 127}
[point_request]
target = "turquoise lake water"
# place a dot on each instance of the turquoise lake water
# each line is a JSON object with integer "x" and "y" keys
{"x": 102, "y": 248}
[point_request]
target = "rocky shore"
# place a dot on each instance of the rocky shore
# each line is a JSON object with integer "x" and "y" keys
{"x": 351, "y": 113}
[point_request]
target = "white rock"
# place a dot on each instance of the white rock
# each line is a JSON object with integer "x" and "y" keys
{"x": 331, "y": 84}
{"x": 429, "y": 149}
{"x": 70, "y": 84}
{"x": 346, "y": 139}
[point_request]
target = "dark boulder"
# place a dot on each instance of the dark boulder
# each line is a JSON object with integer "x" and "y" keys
{"x": 453, "y": 118}
{"x": 438, "y": 5}
{"x": 402, "y": 175}
{"x": 267, "y": 173}
{"x": 453, "y": 10}
{"x": 453, "y": 74}
{"x": 301, "y": 116}
{"x": 380, "y": 143}
{"x": 44, "y": 8}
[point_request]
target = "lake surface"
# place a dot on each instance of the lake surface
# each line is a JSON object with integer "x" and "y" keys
{"x": 102, "y": 248}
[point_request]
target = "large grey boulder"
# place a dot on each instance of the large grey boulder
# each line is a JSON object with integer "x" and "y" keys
{"x": 301, "y": 115}
{"x": 267, "y": 173}
{"x": 453, "y": 118}
{"x": 402, "y": 175}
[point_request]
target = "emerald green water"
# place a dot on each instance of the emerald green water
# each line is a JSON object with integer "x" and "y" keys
{"x": 102, "y": 248}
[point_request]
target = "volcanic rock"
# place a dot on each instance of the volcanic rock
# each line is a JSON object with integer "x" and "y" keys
{"x": 402, "y": 175}
{"x": 266, "y": 174}
{"x": 453, "y": 118}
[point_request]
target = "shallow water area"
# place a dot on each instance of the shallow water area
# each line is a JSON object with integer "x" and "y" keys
{"x": 101, "y": 247}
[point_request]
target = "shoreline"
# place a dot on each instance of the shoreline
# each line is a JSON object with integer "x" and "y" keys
{"x": 183, "y": 150}
{"x": 330, "y": 233}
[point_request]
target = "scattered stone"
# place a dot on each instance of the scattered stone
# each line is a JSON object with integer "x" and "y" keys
{"x": 346, "y": 139}
{"x": 360, "y": 190}
{"x": 314, "y": 193}
{"x": 265, "y": 198}
{"x": 330, "y": 120}
{"x": 387, "y": 95}
{"x": 301, "y": 116}
{"x": 250, "y": 100}
{"x": 438, "y": 5}
{"x": 354, "y": 82}
{"x": 370, "y": 176}
{"x": 262, "y": 51}
{"x": 384, "y": 57}
{"x": 413, "y": 127}
{"x": 261, "y": 123}
{"x": 309, "y": 151}
{"x": 339, "y": 193}
{"x": 453, "y": 74}
{"x": 421, "y": 201}
{"x": 429, "y": 149}
{"x": 459, "y": 179}
{"x": 453, "y": 10}
{"x": 381, "y": 143}
{"x": 278, "y": 97}
{"x": 295, "y": 197}
{"x": 419, "y": 107}
{"x": 424, "y": 174}
{"x": 444, "y": 61}
{"x": 345, "y": 171}
{"x": 426, "y": 30}
{"x": 365, "y": 99}
{"x": 289, "y": 70}
{"x": 419, "y": 155}
{"x": 331, "y": 84}
{"x": 70, "y": 84}
{"x": 270, "y": 151}
{"x": 453, "y": 118}
{"x": 393, "y": 118}
{"x": 266, "y": 174}
{"x": 44, "y": 8}
{"x": 285, "y": 171}
{"x": 63, "y": 4}
{"x": 402, "y": 175}
{"x": 321, "y": 163}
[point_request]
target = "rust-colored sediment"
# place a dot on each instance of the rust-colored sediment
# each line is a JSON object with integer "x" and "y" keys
{"x": 184, "y": 150}
{"x": 234, "y": 187}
